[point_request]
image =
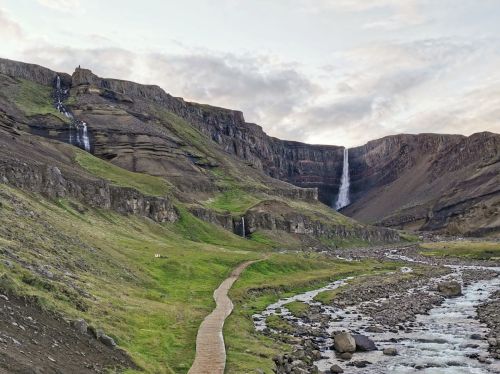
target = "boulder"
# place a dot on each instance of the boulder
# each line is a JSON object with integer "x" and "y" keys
{"x": 336, "y": 369}
{"x": 346, "y": 356}
{"x": 390, "y": 351}
{"x": 344, "y": 342}
{"x": 81, "y": 326}
{"x": 364, "y": 343}
{"x": 450, "y": 289}
{"x": 107, "y": 340}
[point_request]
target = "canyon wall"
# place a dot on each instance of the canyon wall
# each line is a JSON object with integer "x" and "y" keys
{"x": 425, "y": 181}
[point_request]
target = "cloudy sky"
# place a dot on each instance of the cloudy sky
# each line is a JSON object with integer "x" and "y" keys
{"x": 320, "y": 71}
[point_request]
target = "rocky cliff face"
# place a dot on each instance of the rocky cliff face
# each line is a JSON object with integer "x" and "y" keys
{"x": 428, "y": 181}
{"x": 277, "y": 216}
{"x": 411, "y": 181}
{"x": 304, "y": 165}
{"x": 50, "y": 182}
{"x": 31, "y": 72}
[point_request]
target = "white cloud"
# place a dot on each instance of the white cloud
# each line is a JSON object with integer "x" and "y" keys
{"x": 441, "y": 84}
{"x": 61, "y": 5}
{"x": 8, "y": 28}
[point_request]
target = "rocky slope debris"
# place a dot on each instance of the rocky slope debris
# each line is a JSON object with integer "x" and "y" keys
{"x": 32, "y": 340}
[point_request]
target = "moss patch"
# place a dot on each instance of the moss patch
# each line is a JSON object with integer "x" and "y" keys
{"x": 148, "y": 184}
{"x": 298, "y": 308}
{"x": 477, "y": 250}
{"x": 35, "y": 99}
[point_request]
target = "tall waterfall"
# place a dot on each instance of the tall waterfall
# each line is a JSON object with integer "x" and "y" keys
{"x": 81, "y": 138}
{"x": 343, "y": 198}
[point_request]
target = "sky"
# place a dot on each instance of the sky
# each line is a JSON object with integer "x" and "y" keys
{"x": 339, "y": 72}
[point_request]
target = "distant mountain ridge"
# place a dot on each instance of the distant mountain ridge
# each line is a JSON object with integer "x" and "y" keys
{"x": 426, "y": 181}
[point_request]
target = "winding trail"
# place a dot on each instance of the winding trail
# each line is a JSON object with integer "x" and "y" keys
{"x": 210, "y": 350}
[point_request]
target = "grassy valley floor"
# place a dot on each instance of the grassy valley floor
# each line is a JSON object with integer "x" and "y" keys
{"x": 149, "y": 285}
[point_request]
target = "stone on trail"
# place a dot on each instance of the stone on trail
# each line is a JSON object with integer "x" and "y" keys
{"x": 344, "y": 342}
{"x": 450, "y": 289}
{"x": 364, "y": 343}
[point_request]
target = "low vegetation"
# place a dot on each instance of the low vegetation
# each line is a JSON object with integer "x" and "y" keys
{"x": 298, "y": 308}
{"x": 234, "y": 200}
{"x": 101, "y": 266}
{"x": 147, "y": 184}
{"x": 35, "y": 99}
{"x": 477, "y": 250}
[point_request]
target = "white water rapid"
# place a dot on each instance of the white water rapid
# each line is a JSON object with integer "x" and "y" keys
{"x": 81, "y": 139}
{"x": 343, "y": 198}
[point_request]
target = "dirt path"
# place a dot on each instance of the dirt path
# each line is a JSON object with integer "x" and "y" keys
{"x": 210, "y": 350}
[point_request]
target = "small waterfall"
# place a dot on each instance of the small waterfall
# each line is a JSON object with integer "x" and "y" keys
{"x": 81, "y": 138}
{"x": 343, "y": 198}
{"x": 243, "y": 227}
{"x": 85, "y": 137}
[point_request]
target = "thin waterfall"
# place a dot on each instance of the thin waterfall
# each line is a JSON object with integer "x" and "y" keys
{"x": 85, "y": 137}
{"x": 243, "y": 227}
{"x": 81, "y": 138}
{"x": 343, "y": 198}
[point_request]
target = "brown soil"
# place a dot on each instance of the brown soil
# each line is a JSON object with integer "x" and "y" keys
{"x": 36, "y": 341}
{"x": 210, "y": 350}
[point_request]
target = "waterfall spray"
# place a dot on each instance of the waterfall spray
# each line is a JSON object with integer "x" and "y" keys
{"x": 243, "y": 227}
{"x": 343, "y": 198}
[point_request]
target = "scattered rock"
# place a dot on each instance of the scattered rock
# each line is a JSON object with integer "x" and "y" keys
{"x": 390, "y": 351}
{"x": 336, "y": 369}
{"x": 107, "y": 340}
{"x": 346, "y": 356}
{"x": 374, "y": 329}
{"x": 360, "y": 364}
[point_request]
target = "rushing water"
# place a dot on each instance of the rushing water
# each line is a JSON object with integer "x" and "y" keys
{"x": 78, "y": 132}
{"x": 439, "y": 342}
{"x": 343, "y": 198}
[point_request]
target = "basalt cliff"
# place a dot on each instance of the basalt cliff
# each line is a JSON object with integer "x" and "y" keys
{"x": 448, "y": 183}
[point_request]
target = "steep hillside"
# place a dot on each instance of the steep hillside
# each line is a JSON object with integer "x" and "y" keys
{"x": 220, "y": 164}
{"x": 140, "y": 128}
{"x": 136, "y": 241}
{"x": 429, "y": 182}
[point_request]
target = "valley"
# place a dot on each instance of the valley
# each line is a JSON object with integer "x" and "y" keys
{"x": 143, "y": 233}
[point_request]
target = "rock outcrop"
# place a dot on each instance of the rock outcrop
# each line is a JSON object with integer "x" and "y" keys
{"x": 449, "y": 183}
{"x": 31, "y": 72}
{"x": 272, "y": 215}
{"x": 50, "y": 182}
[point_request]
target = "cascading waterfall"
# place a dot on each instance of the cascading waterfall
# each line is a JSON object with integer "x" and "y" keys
{"x": 81, "y": 139}
{"x": 343, "y": 198}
